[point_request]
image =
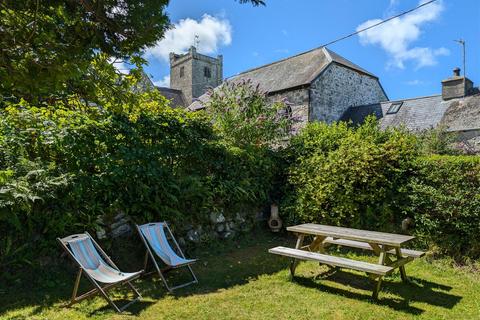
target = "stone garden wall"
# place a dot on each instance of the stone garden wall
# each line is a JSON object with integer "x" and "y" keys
{"x": 218, "y": 227}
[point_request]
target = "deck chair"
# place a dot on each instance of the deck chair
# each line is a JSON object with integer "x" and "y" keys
{"x": 154, "y": 236}
{"x": 90, "y": 258}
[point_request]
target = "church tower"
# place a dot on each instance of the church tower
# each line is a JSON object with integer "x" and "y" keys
{"x": 193, "y": 73}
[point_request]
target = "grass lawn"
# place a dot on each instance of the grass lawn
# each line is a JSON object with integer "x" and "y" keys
{"x": 242, "y": 281}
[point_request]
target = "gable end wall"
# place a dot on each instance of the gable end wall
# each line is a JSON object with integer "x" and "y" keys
{"x": 338, "y": 88}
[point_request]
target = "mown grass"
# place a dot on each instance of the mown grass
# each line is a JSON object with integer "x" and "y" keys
{"x": 240, "y": 280}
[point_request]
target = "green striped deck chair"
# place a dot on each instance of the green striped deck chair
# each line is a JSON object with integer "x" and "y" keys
{"x": 154, "y": 236}
{"x": 97, "y": 267}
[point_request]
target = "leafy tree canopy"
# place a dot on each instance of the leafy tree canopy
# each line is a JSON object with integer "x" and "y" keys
{"x": 48, "y": 46}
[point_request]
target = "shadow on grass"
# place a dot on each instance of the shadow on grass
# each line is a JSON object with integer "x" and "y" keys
{"x": 220, "y": 266}
{"x": 135, "y": 309}
{"x": 417, "y": 290}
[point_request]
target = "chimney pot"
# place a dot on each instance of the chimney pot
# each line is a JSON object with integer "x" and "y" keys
{"x": 456, "y": 72}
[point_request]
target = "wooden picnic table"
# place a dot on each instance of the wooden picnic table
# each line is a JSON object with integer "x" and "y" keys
{"x": 387, "y": 246}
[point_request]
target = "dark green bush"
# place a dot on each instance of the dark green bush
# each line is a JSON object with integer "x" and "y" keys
{"x": 347, "y": 176}
{"x": 63, "y": 166}
{"x": 445, "y": 201}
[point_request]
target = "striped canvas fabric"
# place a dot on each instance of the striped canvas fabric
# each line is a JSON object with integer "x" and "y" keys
{"x": 87, "y": 255}
{"x": 155, "y": 235}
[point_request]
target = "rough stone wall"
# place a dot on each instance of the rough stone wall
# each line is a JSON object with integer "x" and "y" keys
{"x": 200, "y": 83}
{"x": 456, "y": 87}
{"x": 298, "y": 100}
{"x": 339, "y": 88}
{"x": 176, "y": 81}
{"x": 194, "y": 83}
{"x": 220, "y": 226}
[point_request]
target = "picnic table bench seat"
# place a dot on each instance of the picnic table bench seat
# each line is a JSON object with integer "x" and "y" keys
{"x": 333, "y": 261}
{"x": 366, "y": 246}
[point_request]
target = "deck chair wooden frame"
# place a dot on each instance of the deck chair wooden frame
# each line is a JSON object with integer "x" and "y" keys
{"x": 151, "y": 253}
{"x": 98, "y": 287}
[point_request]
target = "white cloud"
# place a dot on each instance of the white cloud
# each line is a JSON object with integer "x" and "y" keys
{"x": 397, "y": 35}
{"x": 212, "y": 32}
{"x": 165, "y": 82}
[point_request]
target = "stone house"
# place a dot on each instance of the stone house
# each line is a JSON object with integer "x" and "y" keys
{"x": 455, "y": 110}
{"x": 319, "y": 85}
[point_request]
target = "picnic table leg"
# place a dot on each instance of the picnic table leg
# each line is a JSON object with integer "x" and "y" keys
{"x": 376, "y": 289}
{"x": 382, "y": 256}
{"x": 294, "y": 262}
{"x": 403, "y": 273}
{"x": 382, "y": 253}
{"x": 317, "y": 244}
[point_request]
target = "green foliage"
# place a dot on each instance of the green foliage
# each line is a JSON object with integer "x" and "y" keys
{"x": 48, "y": 48}
{"x": 243, "y": 115}
{"x": 438, "y": 141}
{"x": 367, "y": 178}
{"x": 445, "y": 202}
{"x": 254, "y": 2}
{"x": 347, "y": 176}
{"x": 63, "y": 165}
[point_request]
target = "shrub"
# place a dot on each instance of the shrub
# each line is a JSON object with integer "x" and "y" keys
{"x": 244, "y": 116}
{"x": 64, "y": 165}
{"x": 445, "y": 201}
{"x": 347, "y": 176}
{"x": 438, "y": 141}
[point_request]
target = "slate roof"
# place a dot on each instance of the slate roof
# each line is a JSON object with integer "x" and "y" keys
{"x": 423, "y": 113}
{"x": 296, "y": 71}
{"x": 198, "y": 103}
{"x": 463, "y": 114}
{"x": 176, "y": 97}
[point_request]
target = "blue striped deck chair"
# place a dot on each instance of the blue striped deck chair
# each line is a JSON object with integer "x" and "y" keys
{"x": 97, "y": 266}
{"x": 154, "y": 236}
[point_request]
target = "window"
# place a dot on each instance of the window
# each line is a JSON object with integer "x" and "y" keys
{"x": 287, "y": 114}
{"x": 289, "y": 117}
{"x": 182, "y": 72}
{"x": 206, "y": 72}
{"x": 394, "y": 107}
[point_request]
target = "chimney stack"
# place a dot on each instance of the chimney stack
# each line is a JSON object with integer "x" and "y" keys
{"x": 456, "y": 72}
{"x": 456, "y": 86}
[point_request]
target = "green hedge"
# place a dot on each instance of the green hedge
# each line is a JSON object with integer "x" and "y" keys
{"x": 347, "y": 176}
{"x": 445, "y": 202}
{"x": 364, "y": 177}
{"x": 63, "y": 166}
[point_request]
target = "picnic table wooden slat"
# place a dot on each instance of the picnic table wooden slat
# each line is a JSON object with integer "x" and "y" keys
{"x": 333, "y": 260}
{"x": 390, "y": 239}
{"x": 366, "y": 246}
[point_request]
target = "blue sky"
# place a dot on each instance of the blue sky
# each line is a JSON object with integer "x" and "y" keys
{"x": 410, "y": 55}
